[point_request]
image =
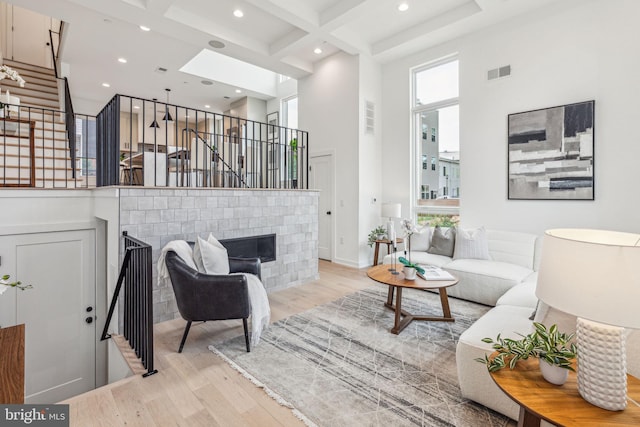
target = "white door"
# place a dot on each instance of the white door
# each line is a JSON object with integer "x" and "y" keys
{"x": 58, "y": 313}
{"x": 321, "y": 178}
{"x": 29, "y": 38}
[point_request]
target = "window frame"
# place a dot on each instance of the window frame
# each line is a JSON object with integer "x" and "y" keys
{"x": 415, "y": 111}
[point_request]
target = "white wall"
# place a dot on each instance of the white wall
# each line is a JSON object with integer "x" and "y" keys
{"x": 369, "y": 167}
{"x": 285, "y": 89}
{"x": 575, "y": 51}
{"x": 328, "y": 107}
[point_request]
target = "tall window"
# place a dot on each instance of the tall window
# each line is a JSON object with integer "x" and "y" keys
{"x": 436, "y": 124}
{"x": 290, "y": 112}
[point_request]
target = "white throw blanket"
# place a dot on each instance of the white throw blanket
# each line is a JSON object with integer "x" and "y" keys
{"x": 260, "y": 310}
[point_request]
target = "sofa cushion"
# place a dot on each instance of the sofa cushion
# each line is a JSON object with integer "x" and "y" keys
{"x": 475, "y": 382}
{"x": 484, "y": 281}
{"x": 425, "y": 258}
{"x": 421, "y": 239}
{"x": 471, "y": 244}
{"x": 522, "y": 295}
{"x": 443, "y": 241}
{"x": 513, "y": 247}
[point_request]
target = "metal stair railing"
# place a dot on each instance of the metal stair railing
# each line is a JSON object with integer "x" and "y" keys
{"x": 136, "y": 274}
{"x": 212, "y": 153}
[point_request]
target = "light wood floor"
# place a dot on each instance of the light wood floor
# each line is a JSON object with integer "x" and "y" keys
{"x": 196, "y": 388}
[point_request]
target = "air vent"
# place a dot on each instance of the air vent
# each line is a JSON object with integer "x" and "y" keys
{"x": 161, "y": 70}
{"x": 369, "y": 117}
{"x": 498, "y": 73}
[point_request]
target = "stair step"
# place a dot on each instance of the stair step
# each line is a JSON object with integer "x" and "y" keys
{"x": 30, "y": 81}
{"x": 30, "y": 67}
{"x": 21, "y": 92}
{"x": 31, "y": 101}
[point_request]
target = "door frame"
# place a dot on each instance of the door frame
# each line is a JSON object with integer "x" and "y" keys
{"x": 331, "y": 153}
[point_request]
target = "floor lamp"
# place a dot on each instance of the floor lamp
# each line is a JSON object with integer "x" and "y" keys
{"x": 595, "y": 275}
{"x": 391, "y": 211}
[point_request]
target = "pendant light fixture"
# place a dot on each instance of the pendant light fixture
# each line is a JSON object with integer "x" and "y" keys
{"x": 154, "y": 123}
{"x": 167, "y": 115}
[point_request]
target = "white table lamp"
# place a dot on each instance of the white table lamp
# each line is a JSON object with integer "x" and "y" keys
{"x": 595, "y": 275}
{"x": 391, "y": 211}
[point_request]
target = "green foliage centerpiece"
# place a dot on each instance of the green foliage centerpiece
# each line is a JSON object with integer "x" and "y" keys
{"x": 548, "y": 345}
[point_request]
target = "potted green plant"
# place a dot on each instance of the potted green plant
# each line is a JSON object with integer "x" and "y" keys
{"x": 294, "y": 162}
{"x": 554, "y": 349}
{"x": 410, "y": 269}
{"x": 377, "y": 233}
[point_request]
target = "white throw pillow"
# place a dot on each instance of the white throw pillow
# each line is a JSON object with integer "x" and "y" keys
{"x": 210, "y": 256}
{"x": 471, "y": 244}
{"x": 421, "y": 239}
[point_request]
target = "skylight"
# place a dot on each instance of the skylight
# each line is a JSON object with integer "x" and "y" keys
{"x": 215, "y": 66}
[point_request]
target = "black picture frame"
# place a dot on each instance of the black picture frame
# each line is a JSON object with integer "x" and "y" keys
{"x": 550, "y": 153}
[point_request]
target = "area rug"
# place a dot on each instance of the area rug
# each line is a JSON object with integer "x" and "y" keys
{"x": 338, "y": 365}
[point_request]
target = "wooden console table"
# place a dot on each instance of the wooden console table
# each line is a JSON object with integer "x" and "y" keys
{"x": 561, "y": 405}
{"x": 377, "y": 248}
{"x": 12, "y": 365}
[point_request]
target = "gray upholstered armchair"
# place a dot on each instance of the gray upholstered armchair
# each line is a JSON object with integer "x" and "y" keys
{"x": 202, "y": 297}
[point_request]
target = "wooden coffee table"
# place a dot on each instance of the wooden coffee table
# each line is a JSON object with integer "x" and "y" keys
{"x": 381, "y": 273}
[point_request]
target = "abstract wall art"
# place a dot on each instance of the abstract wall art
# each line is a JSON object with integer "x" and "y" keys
{"x": 550, "y": 154}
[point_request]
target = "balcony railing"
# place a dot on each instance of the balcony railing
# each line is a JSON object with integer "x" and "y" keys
{"x": 35, "y": 150}
{"x": 151, "y": 143}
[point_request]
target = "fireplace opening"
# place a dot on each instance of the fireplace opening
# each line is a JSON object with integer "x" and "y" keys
{"x": 263, "y": 247}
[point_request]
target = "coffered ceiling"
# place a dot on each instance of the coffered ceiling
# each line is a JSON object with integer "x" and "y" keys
{"x": 278, "y": 35}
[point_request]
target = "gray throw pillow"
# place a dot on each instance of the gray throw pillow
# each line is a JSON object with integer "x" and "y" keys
{"x": 443, "y": 241}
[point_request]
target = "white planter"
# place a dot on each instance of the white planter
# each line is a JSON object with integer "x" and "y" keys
{"x": 554, "y": 374}
{"x": 409, "y": 273}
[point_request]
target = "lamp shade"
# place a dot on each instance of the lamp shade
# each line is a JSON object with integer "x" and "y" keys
{"x": 592, "y": 274}
{"x": 391, "y": 210}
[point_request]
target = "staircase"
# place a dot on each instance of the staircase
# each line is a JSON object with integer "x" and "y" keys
{"x": 41, "y": 160}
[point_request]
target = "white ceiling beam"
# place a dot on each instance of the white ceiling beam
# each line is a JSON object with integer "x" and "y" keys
{"x": 201, "y": 23}
{"x": 288, "y": 43}
{"x": 298, "y": 63}
{"x": 420, "y": 30}
{"x": 296, "y": 13}
{"x": 341, "y": 12}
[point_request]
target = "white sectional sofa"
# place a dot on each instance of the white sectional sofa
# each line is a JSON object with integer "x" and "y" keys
{"x": 508, "y": 282}
{"x": 513, "y": 255}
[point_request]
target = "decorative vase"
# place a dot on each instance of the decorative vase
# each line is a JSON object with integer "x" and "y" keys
{"x": 409, "y": 273}
{"x": 554, "y": 374}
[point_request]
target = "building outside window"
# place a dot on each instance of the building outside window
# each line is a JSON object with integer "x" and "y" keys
{"x": 436, "y": 120}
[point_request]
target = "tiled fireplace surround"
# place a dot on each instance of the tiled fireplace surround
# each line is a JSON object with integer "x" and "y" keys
{"x": 157, "y": 216}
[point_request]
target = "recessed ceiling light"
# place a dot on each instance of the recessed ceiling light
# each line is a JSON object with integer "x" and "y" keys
{"x": 122, "y": 60}
{"x": 106, "y": 85}
{"x": 317, "y": 51}
{"x": 207, "y": 106}
{"x": 217, "y": 44}
{"x": 137, "y": 107}
{"x": 238, "y": 13}
{"x": 206, "y": 82}
{"x": 238, "y": 91}
{"x": 403, "y": 7}
{"x": 143, "y": 28}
